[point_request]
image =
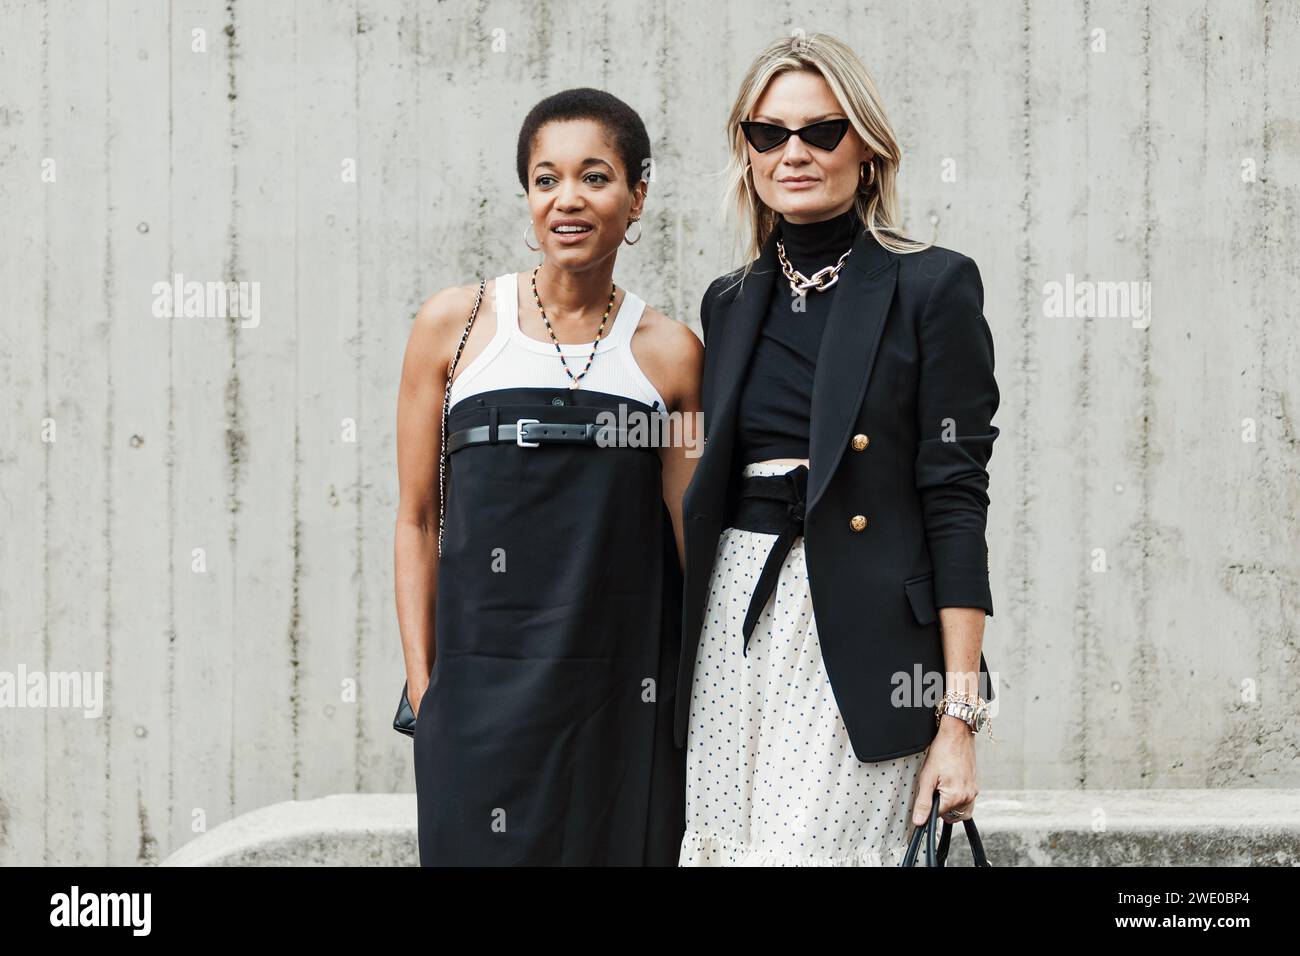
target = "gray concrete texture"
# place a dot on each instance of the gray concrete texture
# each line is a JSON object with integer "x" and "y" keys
{"x": 207, "y": 532}
{"x": 1170, "y": 827}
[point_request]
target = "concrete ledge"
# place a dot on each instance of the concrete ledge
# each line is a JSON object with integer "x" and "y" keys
{"x": 1019, "y": 828}
{"x": 344, "y": 829}
{"x": 1226, "y": 827}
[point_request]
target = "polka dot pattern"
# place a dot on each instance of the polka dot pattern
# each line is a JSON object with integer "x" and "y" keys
{"x": 771, "y": 777}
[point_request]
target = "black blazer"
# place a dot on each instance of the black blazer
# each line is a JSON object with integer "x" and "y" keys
{"x": 906, "y": 363}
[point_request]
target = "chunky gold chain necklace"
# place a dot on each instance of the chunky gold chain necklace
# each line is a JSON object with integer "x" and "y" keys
{"x": 821, "y": 280}
{"x": 573, "y": 382}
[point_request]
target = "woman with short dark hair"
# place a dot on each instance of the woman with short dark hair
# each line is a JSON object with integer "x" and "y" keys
{"x": 543, "y": 732}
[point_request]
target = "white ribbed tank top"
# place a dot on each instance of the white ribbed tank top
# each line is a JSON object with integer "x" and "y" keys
{"x": 515, "y": 360}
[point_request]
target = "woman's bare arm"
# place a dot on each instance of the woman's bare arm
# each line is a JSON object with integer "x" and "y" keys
{"x": 678, "y": 361}
{"x": 419, "y": 443}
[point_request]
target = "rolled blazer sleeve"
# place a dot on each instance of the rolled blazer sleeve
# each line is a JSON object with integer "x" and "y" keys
{"x": 957, "y": 397}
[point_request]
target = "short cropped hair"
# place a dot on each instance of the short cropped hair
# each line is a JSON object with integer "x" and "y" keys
{"x": 619, "y": 120}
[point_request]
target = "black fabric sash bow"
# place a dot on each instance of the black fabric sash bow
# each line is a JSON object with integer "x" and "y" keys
{"x": 761, "y": 498}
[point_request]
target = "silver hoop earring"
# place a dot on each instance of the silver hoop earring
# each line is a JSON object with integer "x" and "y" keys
{"x": 529, "y": 225}
{"x": 633, "y": 242}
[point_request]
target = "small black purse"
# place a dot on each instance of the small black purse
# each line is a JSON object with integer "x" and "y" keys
{"x": 404, "y": 719}
{"x": 938, "y": 856}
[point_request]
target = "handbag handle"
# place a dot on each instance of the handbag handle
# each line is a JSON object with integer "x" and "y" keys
{"x": 939, "y": 856}
{"x": 404, "y": 719}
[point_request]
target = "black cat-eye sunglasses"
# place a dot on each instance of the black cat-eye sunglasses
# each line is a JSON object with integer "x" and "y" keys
{"x": 824, "y": 135}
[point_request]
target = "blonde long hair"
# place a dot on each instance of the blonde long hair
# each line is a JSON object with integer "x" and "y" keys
{"x": 853, "y": 87}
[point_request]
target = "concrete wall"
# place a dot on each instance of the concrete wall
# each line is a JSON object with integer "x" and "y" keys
{"x": 134, "y": 147}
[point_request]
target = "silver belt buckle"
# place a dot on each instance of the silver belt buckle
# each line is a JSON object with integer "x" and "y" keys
{"x": 519, "y": 432}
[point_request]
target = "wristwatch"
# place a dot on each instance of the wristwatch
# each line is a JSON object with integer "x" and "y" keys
{"x": 974, "y": 713}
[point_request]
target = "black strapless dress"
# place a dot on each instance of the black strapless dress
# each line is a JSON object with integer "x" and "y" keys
{"x": 546, "y": 734}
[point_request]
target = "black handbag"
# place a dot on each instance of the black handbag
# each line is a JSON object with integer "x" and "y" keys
{"x": 404, "y": 719}
{"x": 937, "y": 856}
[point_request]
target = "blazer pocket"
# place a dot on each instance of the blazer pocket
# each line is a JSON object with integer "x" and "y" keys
{"x": 920, "y": 594}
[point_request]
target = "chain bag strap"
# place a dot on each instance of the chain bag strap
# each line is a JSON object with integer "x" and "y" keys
{"x": 404, "y": 721}
{"x": 446, "y": 410}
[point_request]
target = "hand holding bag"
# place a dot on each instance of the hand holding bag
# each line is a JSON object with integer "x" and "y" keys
{"x": 937, "y": 857}
{"x": 404, "y": 720}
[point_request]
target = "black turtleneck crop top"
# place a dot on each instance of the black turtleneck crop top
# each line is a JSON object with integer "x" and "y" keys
{"x": 774, "y": 413}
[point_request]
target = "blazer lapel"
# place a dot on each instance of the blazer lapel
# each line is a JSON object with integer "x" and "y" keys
{"x": 846, "y": 355}
{"x": 844, "y": 359}
{"x": 740, "y": 326}
{"x": 732, "y": 344}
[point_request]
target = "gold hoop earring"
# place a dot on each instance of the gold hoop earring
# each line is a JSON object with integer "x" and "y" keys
{"x": 529, "y": 225}
{"x": 867, "y": 183}
{"x": 633, "y": 242}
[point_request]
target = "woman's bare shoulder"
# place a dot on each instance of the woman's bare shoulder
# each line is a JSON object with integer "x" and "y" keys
{"x": 670, "y": 354}
{"x": 450, "y": 308}
{"x": 667, "y": 336}
{"x": 438, "y": 327}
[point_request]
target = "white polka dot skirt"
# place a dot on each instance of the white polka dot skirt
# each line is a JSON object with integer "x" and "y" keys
{"x": 771, "y": 779}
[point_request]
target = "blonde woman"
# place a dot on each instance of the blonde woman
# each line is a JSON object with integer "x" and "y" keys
{"x": 837, "y": 573}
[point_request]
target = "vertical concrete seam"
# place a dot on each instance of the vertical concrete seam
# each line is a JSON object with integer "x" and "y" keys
{"x": 295, "y": 607}
{"x": 295, "y": 610}
{"x": 146, "y": 851}
{"x": 1146, "y": 684}
{"x": 106, "y": 290}
{"x": 1021, "y": 599}
{"x": 172, "y": 551}
{"x": 235, "y": 439}
{"x": 46, "y": 259}
{"x": 667, "y": 218}
{"x": 1085, "y": 594}
{"x": 540, "y": 60}
{"x": 480, "y": 215}
{"x": 420, "y": 260}
{"x": 359, "y": 534}
{"x": 1205, "y": 90}
{"x": 604, "y": 46}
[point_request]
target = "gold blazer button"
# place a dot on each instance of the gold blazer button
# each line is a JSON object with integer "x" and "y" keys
{"x": 858, "y": 522}
{"x": 860, "y": 442}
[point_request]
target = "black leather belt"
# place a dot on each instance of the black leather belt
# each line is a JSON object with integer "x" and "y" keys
{"x": 530, "y": 433}
{"x": 772, "y": 504}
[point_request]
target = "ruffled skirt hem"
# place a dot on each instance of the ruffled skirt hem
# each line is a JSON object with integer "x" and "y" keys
{"x": 709, "y": 849}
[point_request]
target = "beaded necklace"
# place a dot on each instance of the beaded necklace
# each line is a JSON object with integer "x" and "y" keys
{"x": 573, "y": 383}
